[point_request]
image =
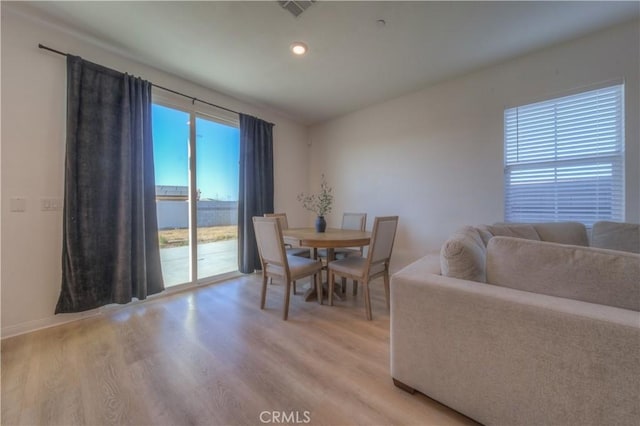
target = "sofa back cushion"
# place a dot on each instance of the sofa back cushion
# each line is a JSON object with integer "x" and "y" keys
{"x": 573, "y": 233}
{"x": 463, "y": 255}
{"x": 589, "y": 274}
{"x": 517, "y": 230}
{"x": 616, "y": 236}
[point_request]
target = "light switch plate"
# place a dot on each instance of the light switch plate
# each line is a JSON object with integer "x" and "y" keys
{"x": 18, "y": 204}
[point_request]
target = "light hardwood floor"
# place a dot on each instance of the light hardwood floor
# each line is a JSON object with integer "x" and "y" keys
{"x": 210, "y": 356}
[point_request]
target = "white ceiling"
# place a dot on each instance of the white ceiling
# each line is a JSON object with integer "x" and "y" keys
{"x": 242, "y": 48}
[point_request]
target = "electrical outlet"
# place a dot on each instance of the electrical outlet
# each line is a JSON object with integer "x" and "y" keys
{"x": 50, "y": 204}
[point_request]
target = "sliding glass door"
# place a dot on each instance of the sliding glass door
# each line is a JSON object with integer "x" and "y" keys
{"x": 217, "y": 168}
{"x": 171, "y": 163}
{"x": 196, "y": 165}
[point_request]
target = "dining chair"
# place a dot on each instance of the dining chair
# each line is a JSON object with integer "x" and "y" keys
{"x": 291, "y": 251}
{"x": 358, "y": 222}
{"x": 352, "y": 221}
{"x": 276, "y": 263}
{"x": 284, "y": 224}
{"x": 374, "y": 265}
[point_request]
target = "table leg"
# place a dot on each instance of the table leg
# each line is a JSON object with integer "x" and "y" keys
{"x": 311, "y": 293}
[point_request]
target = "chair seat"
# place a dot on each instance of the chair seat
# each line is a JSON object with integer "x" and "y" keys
{"x": 341, "y": 252}
{"x": 347, "y": 252}
{"x": 354, "y": 266}
{"x": 298, "y": 267}
{"x": 298, "y": 251}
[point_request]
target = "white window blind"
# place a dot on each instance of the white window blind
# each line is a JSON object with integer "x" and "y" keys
{"x": 564, "y": 159}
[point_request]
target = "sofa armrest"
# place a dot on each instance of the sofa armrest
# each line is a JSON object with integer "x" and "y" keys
{"x": 429, "y": 264}
{"x": 505, "y": 356}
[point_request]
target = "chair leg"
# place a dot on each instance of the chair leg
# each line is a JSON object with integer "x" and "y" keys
{"x": 386, "y": 288}
{"x": 344, "y": 285}
{"x": 367, "y": 300}
{"x": 355, "y": 287}
{"x": 319, "y": 287}
{"x": 287, "y": 292}
{"x": 264, "y": 291}
{"x": 332, "y": 279}
{"x": 294, "y": 288}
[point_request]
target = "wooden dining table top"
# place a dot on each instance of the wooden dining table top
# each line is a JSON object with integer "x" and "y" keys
{"x": 331, "y": 238}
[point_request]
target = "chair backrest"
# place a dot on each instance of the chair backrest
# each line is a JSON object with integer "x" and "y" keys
{"x": 382, "y": 237}
{"x": 354, "y": 221}
{"x": 282, "y": 217}
{"x": 269, "y": 238}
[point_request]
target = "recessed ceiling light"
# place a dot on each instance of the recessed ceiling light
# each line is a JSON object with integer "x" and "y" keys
{"x": 298, "y": 48}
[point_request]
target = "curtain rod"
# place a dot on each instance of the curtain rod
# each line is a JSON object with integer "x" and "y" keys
{"x": 193, "y": 99}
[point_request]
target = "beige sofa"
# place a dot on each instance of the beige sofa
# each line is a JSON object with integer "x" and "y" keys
{"x": 524, "y": 324}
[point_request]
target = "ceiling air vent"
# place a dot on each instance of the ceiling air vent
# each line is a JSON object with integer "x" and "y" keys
{"x": 296, "y": 7}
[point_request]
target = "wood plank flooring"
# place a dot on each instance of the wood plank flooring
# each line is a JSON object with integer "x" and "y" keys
{"x": 210, "y": 356}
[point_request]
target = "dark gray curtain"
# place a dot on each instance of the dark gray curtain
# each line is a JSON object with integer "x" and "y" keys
{"x": 256, "y": 186}
{"x": 110, "y": 251}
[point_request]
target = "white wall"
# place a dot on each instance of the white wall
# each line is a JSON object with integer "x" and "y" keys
{"x": 435, "y": 157}
{"x": 33, "y": 140}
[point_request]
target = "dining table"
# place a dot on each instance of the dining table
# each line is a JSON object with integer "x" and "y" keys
{"x": 330, "y": 239}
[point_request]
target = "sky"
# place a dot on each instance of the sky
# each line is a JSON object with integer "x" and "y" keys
{"x": 217, "y": 153}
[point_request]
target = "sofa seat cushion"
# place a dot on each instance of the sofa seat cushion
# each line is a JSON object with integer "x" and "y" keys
{"x": 589, "y": 274}
{"x": 463, "y": 255}
{"x": 616, "y": 236}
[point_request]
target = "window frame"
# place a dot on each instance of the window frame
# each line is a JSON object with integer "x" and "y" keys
{"x": 578, "y": 162}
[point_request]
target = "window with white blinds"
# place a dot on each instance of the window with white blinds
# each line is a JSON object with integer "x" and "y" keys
{"x": 564, "y": 159}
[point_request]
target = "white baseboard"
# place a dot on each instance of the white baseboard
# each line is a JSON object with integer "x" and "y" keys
{"x": 55, "y": 320}
{"x": 42, "y": 323}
